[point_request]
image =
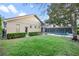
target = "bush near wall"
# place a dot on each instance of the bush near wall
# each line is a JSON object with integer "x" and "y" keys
{"x": 34, "y": 33}
{"x": 15, "y": 35}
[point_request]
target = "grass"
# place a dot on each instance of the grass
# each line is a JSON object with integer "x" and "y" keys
{"x": 40, "y": 46}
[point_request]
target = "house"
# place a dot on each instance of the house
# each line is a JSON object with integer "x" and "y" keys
{"x": 26, "y": 23}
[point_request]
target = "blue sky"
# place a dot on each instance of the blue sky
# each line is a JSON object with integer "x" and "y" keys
{"x": 9, "y": 10}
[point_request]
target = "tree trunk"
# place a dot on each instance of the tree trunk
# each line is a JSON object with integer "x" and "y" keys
{"x": 74, "y": 27}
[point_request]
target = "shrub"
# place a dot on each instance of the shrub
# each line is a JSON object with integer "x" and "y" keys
{"x": 34, "y": 33}
{"x": 15, "y": 35}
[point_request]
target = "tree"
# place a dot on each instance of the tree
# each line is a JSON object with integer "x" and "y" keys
{"x": 64, "y": 14}
{"x": 58, "y": 14}
{"x": 74, "y": 13}
{"x": 0, "y": 27}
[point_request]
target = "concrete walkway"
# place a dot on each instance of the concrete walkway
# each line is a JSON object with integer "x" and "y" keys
{"x": 70, "y": 35}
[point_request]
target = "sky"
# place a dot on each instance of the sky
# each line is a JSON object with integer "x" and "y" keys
{"x": 9, "y": 10}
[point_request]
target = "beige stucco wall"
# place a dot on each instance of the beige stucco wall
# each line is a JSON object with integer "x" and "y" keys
{"x": 25, "y": 21}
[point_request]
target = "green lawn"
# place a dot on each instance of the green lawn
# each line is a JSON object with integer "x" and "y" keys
{"x": 39, "y": 45}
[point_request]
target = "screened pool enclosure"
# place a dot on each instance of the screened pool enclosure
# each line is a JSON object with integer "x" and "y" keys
{"x": 59, "y": 31}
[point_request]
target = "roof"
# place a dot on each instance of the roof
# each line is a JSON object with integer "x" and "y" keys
{"x": 10, "y": 19}
{"x": 39, "y": 19}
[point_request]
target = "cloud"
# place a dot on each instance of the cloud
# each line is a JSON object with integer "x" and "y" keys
{"x": 9, "y": 8}
{"x": 22, "y": 14}
{"x": 12, "y": 9}
{"x": 4, "y": 8}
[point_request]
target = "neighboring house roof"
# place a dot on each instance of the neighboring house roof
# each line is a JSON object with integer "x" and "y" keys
{"x": 10, "y": 19}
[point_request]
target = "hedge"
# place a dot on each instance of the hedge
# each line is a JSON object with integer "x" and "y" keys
{"x": 15, "y": 35}
{"x": 34, "y": 33}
